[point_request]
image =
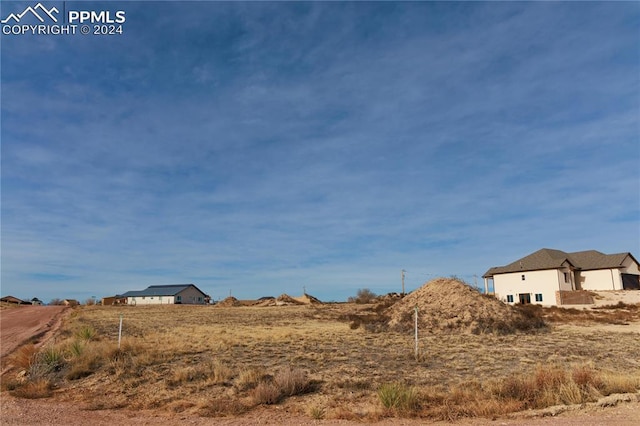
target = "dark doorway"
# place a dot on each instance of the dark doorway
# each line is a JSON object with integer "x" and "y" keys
{"x": 630, "y": 282}
{"x": 525, "y": 298}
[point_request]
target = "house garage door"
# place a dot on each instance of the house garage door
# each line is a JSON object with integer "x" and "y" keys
{"x": 630, "y": 282}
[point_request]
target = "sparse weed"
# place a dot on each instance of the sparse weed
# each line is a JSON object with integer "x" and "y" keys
{"x": 399, "y": 397}
{"x": 76, "y": 348}
{"x": 86, "y": 333}
{"x": 317, "y": 413}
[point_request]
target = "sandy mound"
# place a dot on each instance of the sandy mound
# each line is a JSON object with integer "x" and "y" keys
{"x": 229, "y": 302}
{"x": 449, "y": 305}
{"x": 266, "y": 301}
{"x": 308, "y": 299}
{"x": 285, "y": 299}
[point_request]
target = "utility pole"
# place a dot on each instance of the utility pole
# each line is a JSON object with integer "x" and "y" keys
{"x": 403, "y": 271}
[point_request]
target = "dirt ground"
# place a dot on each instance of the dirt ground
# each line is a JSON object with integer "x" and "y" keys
{"x": 23, "y": 324}
{"x": 14, "y": 411}
{"x": 27, "y": 323}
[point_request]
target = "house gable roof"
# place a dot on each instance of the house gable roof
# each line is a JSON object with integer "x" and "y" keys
{"x": 161, "y": 290}
{"x": 554, "y": 259}
{"x": 592, "y": 259}
{"x": 12, "y": 299}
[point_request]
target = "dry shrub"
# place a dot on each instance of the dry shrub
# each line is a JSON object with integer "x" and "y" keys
{"x": 185, "y": 375}
{"x": 287, "y": 382}
{"x": 249, "y": 378}
{"x": 617, "y": 383}
{"x": 586, "y": 376}
{"x": 292, "y": 381}
{"x": 222, "y": 373}
{"x": 40, "y": 388}
{"x": 550, "y": 377}
{"x": 222, "y": 407}
{"x": 92, "y": 358}
{"x": 24, "y": 356}
{"x": 266, "y": 393}
{"x": 530, "y": 317}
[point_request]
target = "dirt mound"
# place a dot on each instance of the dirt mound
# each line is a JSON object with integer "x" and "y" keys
{"x": 266, "y": 301}
{"x": 285, "y": 299}
{"x": 450, "y": 305}
{"x": 229, "y": 302}
{"x": 308, "y": 299}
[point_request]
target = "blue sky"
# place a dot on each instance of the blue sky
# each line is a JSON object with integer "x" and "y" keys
{"x": 259, "y": 148}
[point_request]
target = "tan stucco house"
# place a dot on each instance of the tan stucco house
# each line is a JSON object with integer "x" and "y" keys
{"x": 543, "y": 277}
{"x": 172, "y": 294}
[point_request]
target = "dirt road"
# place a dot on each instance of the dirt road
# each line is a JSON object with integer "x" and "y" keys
{"x": 27, "y": 323}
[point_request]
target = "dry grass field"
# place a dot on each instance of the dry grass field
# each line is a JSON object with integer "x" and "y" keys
{"x": 332, "y": 361}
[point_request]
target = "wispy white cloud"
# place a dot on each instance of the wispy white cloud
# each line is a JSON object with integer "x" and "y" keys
{"x": 266, "y": 147}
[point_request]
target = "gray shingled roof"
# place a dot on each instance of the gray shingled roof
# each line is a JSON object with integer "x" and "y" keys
{"x": 553, "y": 259}
{"x": 160, "y": 290}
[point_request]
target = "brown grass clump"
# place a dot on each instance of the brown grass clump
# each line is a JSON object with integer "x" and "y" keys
{"x": 25, "y": 356}
{"x": 549, "y": 385}
{"x": 223, "y": 407}
{"x": 450, "y": 305}
{"x": 250, "y": 377}
{"x": 287, "y": 382}
{"x": 40, "y": 388}
{"x": 398, "y": 397}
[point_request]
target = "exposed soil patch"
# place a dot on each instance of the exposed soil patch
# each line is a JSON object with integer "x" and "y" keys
{"x": 27, "y": 323}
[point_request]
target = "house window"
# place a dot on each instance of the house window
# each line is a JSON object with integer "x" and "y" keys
{"x": 199, "y": 298}
{"x": 178, "y": 298}
{"x": 522, "y": 277}
{"x": 539, "y": 297}
{"x": 509, "y": 298}
{"x": 566, "y": 277}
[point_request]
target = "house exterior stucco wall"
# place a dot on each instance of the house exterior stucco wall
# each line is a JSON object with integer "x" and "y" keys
{"x": 150, "y": 300}
{"x": 190, "y": 296}
{"x": 630, "y": 266}
{"x": 601, "y": 279}
{"x": 545, "y": 282}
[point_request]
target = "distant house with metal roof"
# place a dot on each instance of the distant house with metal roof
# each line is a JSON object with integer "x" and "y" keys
{"x": 547, "y": 275}
{"x": 172, "y": 294}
